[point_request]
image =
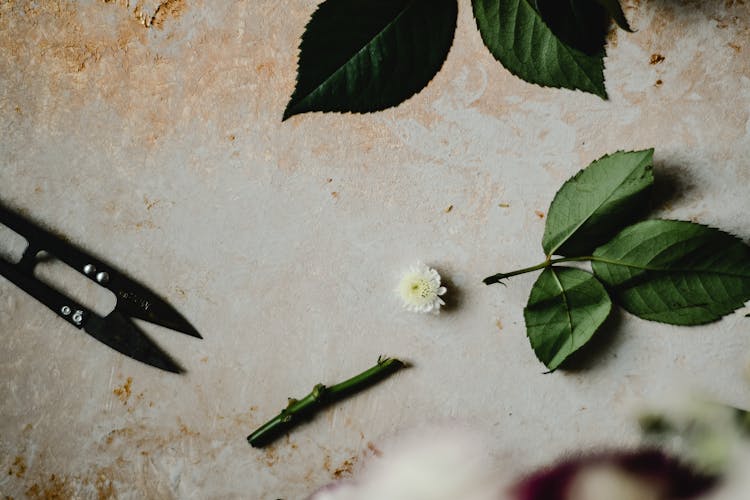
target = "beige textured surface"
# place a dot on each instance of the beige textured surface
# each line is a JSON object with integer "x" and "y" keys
{"x": 162, "y": 149}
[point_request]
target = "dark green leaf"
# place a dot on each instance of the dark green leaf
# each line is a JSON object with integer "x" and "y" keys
{"x": 675, "y": 272}
{"x": 582, "y": 24}
{"x": 615, "y": 11}
{"x": 516, "y": 35}
{"x": 597, "y": 202}
{"x": 368, "y": 55}
{"x": 565, "y": 309}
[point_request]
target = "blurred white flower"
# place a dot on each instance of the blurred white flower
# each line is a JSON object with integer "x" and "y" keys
{"x": 420, "y": 290}
{"x": 429, "y": 464}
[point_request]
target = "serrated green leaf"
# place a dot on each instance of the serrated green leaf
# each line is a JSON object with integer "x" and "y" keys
{"x": 565, "y": 309}
{"x": 581, "y": 24}
{"x": 615, "y": 11}
{"x": 675, "y": 272}
{"x": 597, "y": 202}
{"x": 517, "y": 36}
{"x": 368, "y": 55}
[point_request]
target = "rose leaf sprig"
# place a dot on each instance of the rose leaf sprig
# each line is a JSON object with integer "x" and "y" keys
{"x": 670, "y": 271}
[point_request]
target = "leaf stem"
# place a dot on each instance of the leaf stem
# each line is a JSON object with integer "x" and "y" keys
{"x": 320, "y": 396}
{"x": 497, "y": 278}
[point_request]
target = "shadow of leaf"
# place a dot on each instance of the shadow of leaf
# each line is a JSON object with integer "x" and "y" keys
{"x": 605, "y": 342}
{"x": 671, "y": 185}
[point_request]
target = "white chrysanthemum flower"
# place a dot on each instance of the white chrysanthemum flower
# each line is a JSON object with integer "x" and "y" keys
{"x": 420, "y": 290}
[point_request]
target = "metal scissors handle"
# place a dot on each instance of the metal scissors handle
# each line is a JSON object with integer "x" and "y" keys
{"x": 134, "y": 300}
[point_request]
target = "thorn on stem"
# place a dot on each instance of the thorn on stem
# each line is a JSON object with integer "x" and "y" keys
{"x": 494, "y": 280}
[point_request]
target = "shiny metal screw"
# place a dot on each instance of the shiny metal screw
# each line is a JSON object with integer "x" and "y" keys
{"x": 78, "y": 317}
{"x": 65, "y": 310}
{"x": 102, "y": 277}
{"x": 89, "y": 269}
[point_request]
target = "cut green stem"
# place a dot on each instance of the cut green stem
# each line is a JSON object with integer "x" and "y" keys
{"x": 299, "y": 410}
{"x": 497, "y": 278}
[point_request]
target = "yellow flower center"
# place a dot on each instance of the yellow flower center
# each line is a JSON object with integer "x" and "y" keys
{"x": 422, "y": 288}
{"x": 418, "y": 290}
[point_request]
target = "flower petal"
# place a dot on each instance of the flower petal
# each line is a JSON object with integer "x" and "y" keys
{"x": 420, "y": 289}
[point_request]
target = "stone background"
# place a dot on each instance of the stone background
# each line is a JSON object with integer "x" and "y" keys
{"x": 157, "y": 141}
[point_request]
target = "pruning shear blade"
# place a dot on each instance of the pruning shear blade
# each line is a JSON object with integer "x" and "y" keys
{"x": 134, "y": 300}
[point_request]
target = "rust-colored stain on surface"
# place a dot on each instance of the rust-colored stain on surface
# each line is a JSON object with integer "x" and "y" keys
{"x": 186, "y": 431}
{"x": 119, "y": 434}
{"x": 150, "y": 203}
{"x": 18, "y": 468}
{"x": 374, "y": 449}
{"x": 123, "y": 392}
{"x": 77, "y": 48}
{"x": 52, "y": 488}
{"x": 266, "y": 67}
{"x": 168, "y": 9}
{"x": 656, "y": 58}
{"x": 105, "y": 490}
{"x": 79, "y": 53}
{"x": 270, "y": 455}
{"x": 171, "y": 9}
{"x": 345, "y": 469}
{"x": 145, "y": 224}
